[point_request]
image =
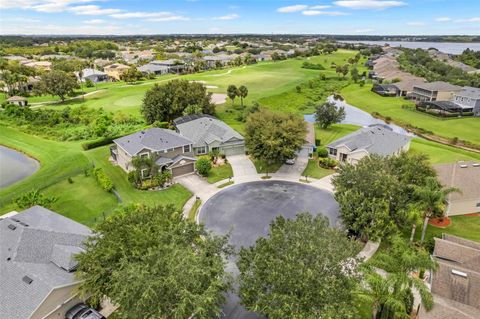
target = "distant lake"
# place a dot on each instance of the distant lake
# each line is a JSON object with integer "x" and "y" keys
{"x": 446, "y": 47}
{"x": 15, "y": 166}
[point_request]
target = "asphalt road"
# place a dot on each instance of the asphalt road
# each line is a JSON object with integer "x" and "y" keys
{"x": 246, "y": 210}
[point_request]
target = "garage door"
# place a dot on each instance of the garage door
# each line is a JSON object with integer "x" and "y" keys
{"x": 182, "y": 170}
{"x": 233, "y": 150}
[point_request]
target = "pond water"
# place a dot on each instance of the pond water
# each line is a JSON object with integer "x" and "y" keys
{"x": 15, "y": 166}
{"x": 446, "y": 47}
{"x": 359, "y": 117}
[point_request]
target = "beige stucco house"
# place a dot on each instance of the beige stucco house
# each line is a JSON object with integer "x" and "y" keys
{"x": 434, "y": 91}
{"x": 115, "y": 71}
{"x": 37, "y": 265}
{"x": 466, "y": 177}
{"x": 376, "y": 139}
{"x": 170, "y": 150}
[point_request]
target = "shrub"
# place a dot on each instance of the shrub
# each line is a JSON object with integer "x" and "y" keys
{"x": 103, "y": 180}
{"x": 318, "y": 142}
{"x": 299, "y": 89}
{"x": 33, "y": 198}
{"x": 70, "y": 180}
{"x": 203, "y": 165}
{"x": 99, "y": 142}
{"x": 327, "y": 162}
{"x": 322, "y": 152}
{"x": 89, "y": 83}
{"x": 161, "y": 124}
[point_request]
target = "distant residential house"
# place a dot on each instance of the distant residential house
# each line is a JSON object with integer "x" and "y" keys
{"x": 213, "y": 60}
{"x": 18, "y": 100}
{"x": 115, "y": 71}
{"x": 468, "y": 97}
{"x": 376, "y": 139}
{"x": 42, "y": 65}
{"x": 172, "y": 65}
{"x": 262, "y": 57}
{"x": 37, "y": 264}
{"x": 151, "y": 68}
{"x": 456, "y": 282}
{"x": 405, "y": 87}
{"x": 434, "y": 91}
{"x": 466, "y": 177}
{"x": 445, "y": 106}
{"x": 170, "y": 150}
{"x": 92, "y": 75}
{"x": 210, "y": 134}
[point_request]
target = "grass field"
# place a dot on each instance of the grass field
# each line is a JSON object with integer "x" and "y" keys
{"x": 464, "y": 128}
{"x": 315, "y": 171}
{"x": 464, "y": 226}
{"x": 220, "y": 173}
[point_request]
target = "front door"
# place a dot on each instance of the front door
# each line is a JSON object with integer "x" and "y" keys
{"x": 343, "y": 157}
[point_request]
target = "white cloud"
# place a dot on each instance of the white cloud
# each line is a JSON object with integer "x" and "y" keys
{"x": 416, "y": 24}
{"x": 94, "y": 21}
{"x": 443, "y": 19}
{"x": 369, "y": 4}
{"x": 319, "y": 7}
{"x": 295, "y": 8}
{"x": 228, "y": 17}
{"x": 470, "y": 20}
{"x": 325, "y": 13}
{"x": 40, "y": 5}
{"x": 92, "y": 10}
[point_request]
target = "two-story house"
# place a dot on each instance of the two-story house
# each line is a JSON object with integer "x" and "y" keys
{"x": 366, "y": 141}
{"x": 115, "y": 71}
{"x": 210, "y": 134}
{"x": 170, "y": 151}
{"x": 468, "y": 98}
{"x": 434, "y": 91}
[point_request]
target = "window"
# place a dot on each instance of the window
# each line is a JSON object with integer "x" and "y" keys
{"x": 145, "y": 173}
{"x": 202, "y": 150}
{"x": 332, "y": 151}
{"x": 186, "y": 148}
{"x": 144, "y": 155}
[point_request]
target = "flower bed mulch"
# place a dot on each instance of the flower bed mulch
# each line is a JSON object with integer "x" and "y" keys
{"x": 440, "y": 222}
{"x": 473, "y": 214}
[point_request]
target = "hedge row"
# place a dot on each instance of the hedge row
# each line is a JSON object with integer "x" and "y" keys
{"x": 102, "y": 179}
{"x": 97, "y": 143}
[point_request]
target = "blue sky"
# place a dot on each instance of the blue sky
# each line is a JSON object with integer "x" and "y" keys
{"x": 241, "y": 16}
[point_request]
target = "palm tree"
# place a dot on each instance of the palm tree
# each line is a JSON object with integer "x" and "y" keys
{"x": 401, "y": 260}
{"x": 232, "y": 92}
{"x": 430, "y": 198}
{"x": 242, "y": 93}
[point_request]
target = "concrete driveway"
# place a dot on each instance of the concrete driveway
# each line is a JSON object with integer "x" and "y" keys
{"x": 296, "y": 169}
{"x": 197, "y": 185}
{"x": 241, "y": 166}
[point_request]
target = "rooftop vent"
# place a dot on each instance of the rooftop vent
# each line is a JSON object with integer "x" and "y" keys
{"x": 12, "y": 227}
{"x": 23, "y": 224}
{"x": 27, "y": 279}
{"x": 15, "y": 220}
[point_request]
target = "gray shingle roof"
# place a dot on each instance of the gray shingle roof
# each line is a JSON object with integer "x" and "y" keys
{"x": 438, "y": 86}
{"x": 40, "y": 237}
{"x": 375, "y": 140}
{"x": 204, "y": 129}
{"x": 153, "y": 139}
{"x": 152, "y": 68}
{"x": 470, "y": 92}
{"x": 90, "y": 72}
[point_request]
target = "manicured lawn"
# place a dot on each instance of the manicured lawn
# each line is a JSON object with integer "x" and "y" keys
{"x": 83, "y": 200}
{"x": 192, "y": 214}
{"x": 220, "y": 173}
{"x": 315, "y": 171}
{"x": 363, "y": 98}
{"x": 334, "y": 132}
{"x": 176, "y": 195}
{"x": 439, "y": 153}
{"x": 263, "y": 166}
{"x": 463, "y": 226}
{"x": 58, "y": 160}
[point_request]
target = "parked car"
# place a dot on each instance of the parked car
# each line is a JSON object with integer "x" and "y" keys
{"x": 82, "y": 311}
{"x": 290, "y": 161}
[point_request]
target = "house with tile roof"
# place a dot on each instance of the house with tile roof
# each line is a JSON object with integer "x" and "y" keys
{"x": 377, "y": 139}
{"x": 37, "y": 264}
{"x": 170, "y": 151}
{"x": 434, "y": 91}
{"x": 210, "y": 134}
